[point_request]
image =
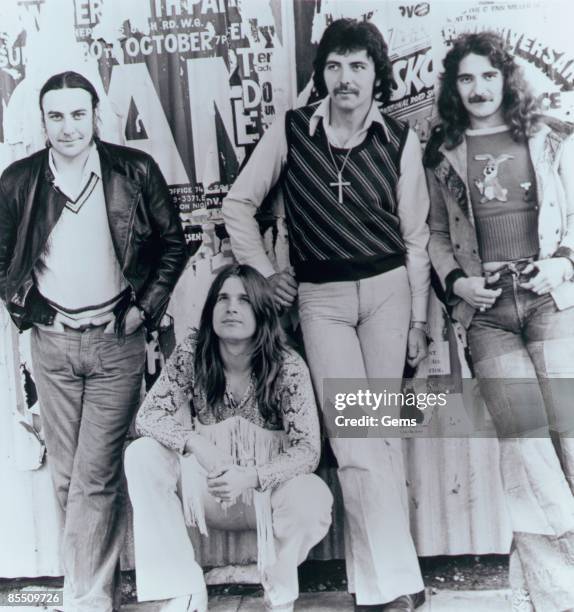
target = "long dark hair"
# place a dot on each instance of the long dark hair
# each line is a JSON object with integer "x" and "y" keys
{"x": 349, "y": 35}
{"x": 69, "y": 80}
{"x": 519, "y": 107}
{"x": 268, "y": 344}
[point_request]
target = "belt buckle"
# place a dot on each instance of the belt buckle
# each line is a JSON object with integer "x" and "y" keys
{"x": 517, "y": 269}
{"x": 512, "y": 267}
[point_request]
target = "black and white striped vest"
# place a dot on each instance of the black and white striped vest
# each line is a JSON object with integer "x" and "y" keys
{"x": 360, "y": 237}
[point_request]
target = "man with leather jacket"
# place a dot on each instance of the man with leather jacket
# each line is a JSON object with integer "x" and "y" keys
{"x": 91, "y": 247}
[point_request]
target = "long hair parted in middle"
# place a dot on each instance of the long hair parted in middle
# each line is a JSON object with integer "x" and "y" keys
{"x": 519, "y": 106}
{"x": 268, "y": 343}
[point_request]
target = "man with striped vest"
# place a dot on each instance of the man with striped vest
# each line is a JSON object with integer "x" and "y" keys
{"x": 356, "y": 206}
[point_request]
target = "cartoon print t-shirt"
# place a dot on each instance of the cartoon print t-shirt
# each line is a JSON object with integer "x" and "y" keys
{"x": 502, "y": 187}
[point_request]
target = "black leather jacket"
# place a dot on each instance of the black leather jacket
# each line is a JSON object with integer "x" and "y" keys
{"x": 145, "y": 228}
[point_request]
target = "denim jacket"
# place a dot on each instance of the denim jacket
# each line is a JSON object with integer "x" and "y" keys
{"x": 453, "y": 246}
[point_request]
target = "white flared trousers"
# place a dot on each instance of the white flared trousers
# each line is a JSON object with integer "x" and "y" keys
{"x": 164, "y": 555}
{"x": 358, "y": 330}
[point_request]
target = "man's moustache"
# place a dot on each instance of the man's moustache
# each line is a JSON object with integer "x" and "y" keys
{"x": 478, "y": 99}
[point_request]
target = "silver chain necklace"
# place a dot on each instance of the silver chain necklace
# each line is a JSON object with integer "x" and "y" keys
{"x": 339, "y": 183}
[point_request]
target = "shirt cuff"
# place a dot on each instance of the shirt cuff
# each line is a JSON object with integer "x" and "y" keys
{"x": 264, "y": 474}
{"x": 181, "y": 439}
{"x": 419, "y": 308}
{"x": 450, "y": 298}
{"x": 565, "y": 252}
{"x": 265, "y": 268}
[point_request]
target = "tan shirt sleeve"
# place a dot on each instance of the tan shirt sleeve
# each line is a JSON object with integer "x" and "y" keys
{"x": 161, "y": 414}
{"x": 300, "y": 423}
{"x": 413, "y": 209}
{"x": 254, "y": 182}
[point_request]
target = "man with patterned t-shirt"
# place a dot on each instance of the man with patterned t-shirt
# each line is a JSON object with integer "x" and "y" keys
{"x": 502, "y": 243}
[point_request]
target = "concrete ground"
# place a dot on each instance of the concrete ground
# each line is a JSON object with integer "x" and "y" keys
{"x": 337, "y": 601}
{"x": 236, "y": 588}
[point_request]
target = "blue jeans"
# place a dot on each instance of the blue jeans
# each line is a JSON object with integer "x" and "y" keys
{"x": 524, "y": 336}
{"x": 89, "y": 386}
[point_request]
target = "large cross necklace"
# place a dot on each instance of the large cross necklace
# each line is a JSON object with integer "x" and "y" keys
{"x": 339, "y": 183}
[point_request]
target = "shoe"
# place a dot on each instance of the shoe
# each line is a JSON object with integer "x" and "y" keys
{"x": 521, "y": 601}
{"x": 196, "y": 602}
{"x": 280, "y": 608}
{"x": 269, "y": 607}
{"x": 404, "y": 603}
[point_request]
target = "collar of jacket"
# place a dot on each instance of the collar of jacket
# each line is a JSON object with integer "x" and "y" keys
{"x": 122, "y": 179}
{"x": 450, "y": 165}
{"x": 449, "y": 168}
{"x": 122, "y": 183}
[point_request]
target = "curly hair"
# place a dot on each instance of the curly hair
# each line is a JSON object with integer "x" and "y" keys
{"x": 349, "y": 35}
{"x": 520, "y": 109}
{"x": 268, "y": 343}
